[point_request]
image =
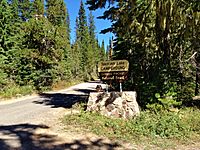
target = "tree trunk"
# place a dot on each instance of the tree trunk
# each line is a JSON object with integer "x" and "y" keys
{"x": 197, "y": 82}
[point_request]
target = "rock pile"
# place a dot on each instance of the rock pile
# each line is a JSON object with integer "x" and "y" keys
{"x": 114, "y": 104}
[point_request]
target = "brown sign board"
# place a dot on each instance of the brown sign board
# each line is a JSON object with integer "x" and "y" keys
{"x": 113, "y": 66}
{"x": 113, "y": 70}
{"x": 118, "y": 76}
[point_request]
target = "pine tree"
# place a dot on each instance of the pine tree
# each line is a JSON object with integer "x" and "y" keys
{"x": 56, "y": 12}
{"x": 76, "y": 53}
{"x": 15, "y": 9}
{"x": 25, "y": 10}
{"x": 9, "y": 41}
{"x": 68, "y": 25}
{"x": 92, "y": 28}
{"x": 102, "y": 51}
{"x": 38, "y": 8}
{"x": 94, "y": 54}
{"x": 40, "y": 56}
{"x": 58, "y": 15}
{"x": 83, "y": 38}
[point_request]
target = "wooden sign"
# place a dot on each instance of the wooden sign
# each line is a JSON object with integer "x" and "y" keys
{"x": 113, "y": 66}
{"x": 113, "y": 70}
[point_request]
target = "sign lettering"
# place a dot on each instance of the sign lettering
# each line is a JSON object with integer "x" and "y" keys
{"x": 111, "y": 66}
{"x": 113, "y": 70}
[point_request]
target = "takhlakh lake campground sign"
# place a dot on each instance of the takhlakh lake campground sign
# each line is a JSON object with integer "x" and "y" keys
{"x": 113, "y": 70}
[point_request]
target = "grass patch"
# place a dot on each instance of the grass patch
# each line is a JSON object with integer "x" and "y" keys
{"x": 163, "y": 129}
{"x": 15, "y": 91}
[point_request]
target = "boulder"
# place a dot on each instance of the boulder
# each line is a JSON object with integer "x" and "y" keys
{"x": 114, "y": 104}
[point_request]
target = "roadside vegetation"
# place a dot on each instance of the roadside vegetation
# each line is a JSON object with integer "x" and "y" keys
{"x": 18, "y": 91}
{"x": 164, "y": 129}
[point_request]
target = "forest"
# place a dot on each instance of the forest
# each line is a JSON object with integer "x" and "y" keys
{"x": 36, "y": 51}
{"x": 159, "y": 38}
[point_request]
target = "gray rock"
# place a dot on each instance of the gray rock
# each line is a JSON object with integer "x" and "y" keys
{"x": 114, "y": 104}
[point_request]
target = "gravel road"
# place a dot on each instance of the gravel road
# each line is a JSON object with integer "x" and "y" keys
{"x": 32, "y": 122}
{"x": 30, "y": 109}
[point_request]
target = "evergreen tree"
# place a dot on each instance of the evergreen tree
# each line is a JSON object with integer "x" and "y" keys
{"x": 15, "y": 9}
{"x": 56, "y": 12}
{"x": 38, "y": 8}
{"x": 9, "y": 42}
{"x": 92, "y": 28}
{"x": 25, "y": 9}
{"x": 82, "y": 22}
{"x": 83, "y": 39}
{"x": 58, "y": 15}
{"x": 40, "y": 56}
{"x": 76, "y": 53}
{"x": 102, "y": 51}
{"x": 94, "y": 54}
{"x": 68, "y": 25}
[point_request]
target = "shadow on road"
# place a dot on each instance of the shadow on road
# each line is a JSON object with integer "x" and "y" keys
{"x": 91, "y": 145}
{"x": 28, "y": 139}
{"x": 56, "y": 100}
{"x": 3, "y": 145}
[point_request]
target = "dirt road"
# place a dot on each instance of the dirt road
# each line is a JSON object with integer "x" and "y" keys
{"x": 32, "y": 123}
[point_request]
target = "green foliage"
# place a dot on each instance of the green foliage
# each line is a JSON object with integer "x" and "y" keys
{"x": 38, "y": 7}
{"x": 165, "y": 102}
{"x": 165, "y": 124}
{"x": 85, "y": 46}
{"x": 37, "y": 64}
{"x": 16, "y": 90}
{"x": 9, "y": 43}
{"x": 15, "y": 9}
{"x": 83, "y": 40}
{"x": 35, "y": 50}
{"x": 25, "y": 10}
{"x": 3, "y": 75}
{"x": 56, "y": 12}
{"x": 102, "y": 54}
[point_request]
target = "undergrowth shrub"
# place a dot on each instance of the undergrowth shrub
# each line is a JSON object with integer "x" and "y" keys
{"x": 16, "y": 90}
{"x": 180, "y": 125}
{"x": 164, "y": 102}
{"x": 165, "y": 124}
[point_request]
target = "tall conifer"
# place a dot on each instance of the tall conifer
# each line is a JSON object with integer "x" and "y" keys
{"x": 102, "y": 51}
{"x": 38, "y": 7}
{"x": 9, "y": 40}
{"x": 15, "y": 8}
{"x": 94, "y": 51}
{"x": 56, "y": 12}
{"x": 83, "y": 38}
{"x": 25, "y": 10}
{"x": 58, "y": 15}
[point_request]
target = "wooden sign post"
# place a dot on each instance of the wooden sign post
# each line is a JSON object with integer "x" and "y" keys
{"x": 116, "y": 70}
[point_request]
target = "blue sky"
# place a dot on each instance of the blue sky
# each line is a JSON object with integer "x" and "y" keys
{"x": 73, "y": 8}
